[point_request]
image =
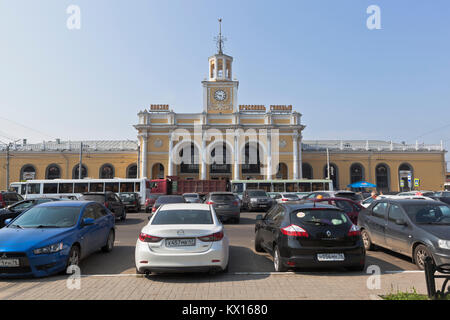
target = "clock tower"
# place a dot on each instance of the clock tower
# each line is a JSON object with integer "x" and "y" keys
{"x": 220, "y": 91}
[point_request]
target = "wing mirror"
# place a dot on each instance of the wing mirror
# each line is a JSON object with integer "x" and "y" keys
{"x": 401, "y": 222}
{"x": 88, "y": 222}
{"x": 7, "y": 221}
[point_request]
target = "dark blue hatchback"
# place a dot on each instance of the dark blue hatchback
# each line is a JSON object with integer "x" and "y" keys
{"x": 48, "y": 238}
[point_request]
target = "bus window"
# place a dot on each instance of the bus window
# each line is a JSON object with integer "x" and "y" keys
{"x": 34, "y": 188}
{"x": 238, "y": 188}
{"x": 14, "y": 188}
{"x": 112, "y": 186}
{"x": 126, "y": 187}
{"x": 326, "y": 186}
{"x": 291, "y": 187}
{"x": 252, "y": 186}
{"x": 278, "y": 187}
{"x": 23, "y": 189}
{"x": 66, "y": 188}
{"x": 265, "y": 187}
{"x": 50, "y": 188}
{"x": 317, "y": 186}
{"x": 304, "y": 187}
{"x": 137, "y": 187}
{"x": 96, "y": 187}
{"x": 81, "y": 187}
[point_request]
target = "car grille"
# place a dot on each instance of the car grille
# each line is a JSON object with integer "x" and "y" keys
{"x": 24, "y": 266}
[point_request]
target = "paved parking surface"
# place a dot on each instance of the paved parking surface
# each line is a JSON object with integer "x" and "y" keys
{"x": 251, "y": 276}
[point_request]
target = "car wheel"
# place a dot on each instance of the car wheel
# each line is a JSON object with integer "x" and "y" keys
{"x": 124, "y": 215}
{"x": 258, "y": 247}
{"x": 74, "y": 257}
{"x": 368, "y": 245}
{"x": 237, "y": 220}
{"x": 278, "y": 265}
{"x": 420, "y": 253}
{"x": 109, "y": 243}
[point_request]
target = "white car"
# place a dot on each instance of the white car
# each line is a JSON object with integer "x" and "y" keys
{"x": 286, "y": 197}
{"x": 182, "y": 237}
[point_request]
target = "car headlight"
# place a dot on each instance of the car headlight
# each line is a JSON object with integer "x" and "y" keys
{"x": 253, "y": 200}
{"x": 49, "y": 249}
{"x": 444, "y": 244}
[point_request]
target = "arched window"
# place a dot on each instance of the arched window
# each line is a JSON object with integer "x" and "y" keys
{"x": 406, "y": 177}
{"x": 356, "y": 173}
{"x": 333, "y": 175}
{"x": 282, "y": 171}
{"x": 53, "y": 171}
{"x": 76, "y": 170}
{"x": 189, "y": 159}
{"x": 28, "y": 172}
{"x": 220, "y": 159}
{"x": 252, "y": 158}
{"x": 158, "y": 171}
{"x": 106, "y": 171}
{"x": 307, "y": 171}
{"x": 382, "y": 177}
{"x": 132, "y": 171}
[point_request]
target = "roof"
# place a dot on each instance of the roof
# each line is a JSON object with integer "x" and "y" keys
{"x": 187, "y": 206}
{"x": 68, "y": 203}
{"x": 90, "y": 145}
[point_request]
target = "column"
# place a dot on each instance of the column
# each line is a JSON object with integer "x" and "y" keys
{"x": 169, "y": 162}
{"x": 144, "y": 137}
{"x": 237, "y": 171}
{"x": 300, "y": 158}
{"x": 269, "y": 155}
{"x": 295, "y": 155}
{"x": 203, "y": 152}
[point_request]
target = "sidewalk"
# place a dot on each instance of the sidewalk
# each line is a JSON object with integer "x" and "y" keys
{"x": 215, "y": 287}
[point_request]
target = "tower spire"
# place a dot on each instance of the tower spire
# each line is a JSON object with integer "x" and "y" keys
{"x": 220, "y": 39}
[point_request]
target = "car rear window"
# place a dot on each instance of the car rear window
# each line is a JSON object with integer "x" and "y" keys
{"x": 319, "y": 217}
{"x": 93, "y": 197}
{"x": 183, "y": 217}
{"x": 223, "y": 197}
{"x": 257, "y": 193}
{"x": 161, "y": 200}
{"x": 190, "y": 195}
{"x": 127, "y": 196}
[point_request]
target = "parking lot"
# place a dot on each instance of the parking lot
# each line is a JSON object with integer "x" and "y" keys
{"x": 251, "y": 275}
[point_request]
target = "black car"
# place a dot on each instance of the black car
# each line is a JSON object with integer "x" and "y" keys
{"x": 415, "y": 228}
{"x": 192, "y": 197}
{"x": 17, "y": 208}
{"x": 8, "y": 198}
{"x": 253, "y": 199}
{"x": 131, "y": 200}
{"x": 226, "y": 206}
{"x": 309, "y": 235}
{"x": 167, "y": 199}
{"x": 443, "y": 196}
{"x": 110, "y": 200}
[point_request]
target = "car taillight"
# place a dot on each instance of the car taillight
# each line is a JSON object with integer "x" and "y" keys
{"x": 153, "y": 209}
{"x": 148, "y": 238}
{"x": 354, "y": 231}
{"x": 209, "y": 202}
{"x": 235, "y": 203}
{"x": 294, "y": 230}
{"x": 284, "y": 199}
{"x": 212, "y": 237}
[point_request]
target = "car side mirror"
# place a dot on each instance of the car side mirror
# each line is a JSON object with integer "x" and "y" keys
{"x": 7, "y": 221}
{"x": 88, "y": 221}
{"x": 259, "y": 217}
{"x": 401, "y": 222}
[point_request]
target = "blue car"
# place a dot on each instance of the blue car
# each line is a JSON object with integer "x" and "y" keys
{"x": 49, "y": 237}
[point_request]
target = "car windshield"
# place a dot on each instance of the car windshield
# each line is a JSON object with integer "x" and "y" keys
{"x": 48, "y": 217}
{"x": 223, "y": 197}
{"x": 319, "y": 217}
{"x": 161, "y": 200}
{"x": 426, "y": 213}
{"x": 93, "y": 197}
{"x": 257, "y": 193}
{"x": 183, "y": 217}
{"x": 191, "y": 195}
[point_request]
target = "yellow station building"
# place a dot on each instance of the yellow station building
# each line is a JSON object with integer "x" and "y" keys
{"x": 225, "y": 140}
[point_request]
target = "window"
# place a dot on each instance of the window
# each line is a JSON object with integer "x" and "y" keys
{"x": 50, "y": 188}
{"x": 112, "y": 186}
{"x": 127, "y": 187}
{"x": 132, "y": 171}
{"x": 356, "y": 173}
{"x": 137, "y": 186}
{"x": 382, "y": 177}
{"x": 81, "y": 187}
{"x": 96, "y": 187}
{"x": 76, "y": 170}
{"x": 89, "y": 212}
{"x": 33, "y": 188}
{"x": 66, "y": 188}
{"x": 53, "y": 172}
{"x": 307, "y": 171}
{"x": 106, "y": 171}
{"x": 28, "y": 172}
{"x": 182, "y": 217}
{"x": 344, "y": 205}
{"x": 395, "y": 213}
{"x": 379, "y": 210}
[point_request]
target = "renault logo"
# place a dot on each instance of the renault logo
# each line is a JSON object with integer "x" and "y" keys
{"x": 180, "y": 232}
{"x": 328, "y": 233}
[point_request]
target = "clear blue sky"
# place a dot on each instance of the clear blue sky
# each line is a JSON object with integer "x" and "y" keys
{"x": 347, "y": 81}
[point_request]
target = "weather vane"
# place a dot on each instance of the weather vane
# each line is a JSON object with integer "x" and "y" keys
{"x": 220, "y": 39}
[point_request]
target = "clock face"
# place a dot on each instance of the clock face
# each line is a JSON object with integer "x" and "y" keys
{"x": 220, "y": 95}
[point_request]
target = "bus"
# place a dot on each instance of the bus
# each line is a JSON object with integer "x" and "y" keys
{"x": 299, "y": 186}
{"x": 67, "y": 188}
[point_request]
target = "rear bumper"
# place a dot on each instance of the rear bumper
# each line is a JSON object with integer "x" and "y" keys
{"x": 255, "y": 206}
{"x": 228, "y": 214}
{"x": 147, "y": 260}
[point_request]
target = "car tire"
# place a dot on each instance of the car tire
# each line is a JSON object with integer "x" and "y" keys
{"x": 226, "y": 268}
{"x": 109, "y": 246}
{"x": 368, "y": 245}
{"x": 420, "y": 253}
{"x": 258, "y": 247}
{"x": 278, "y": 265}
{"x": 74, "y": 256}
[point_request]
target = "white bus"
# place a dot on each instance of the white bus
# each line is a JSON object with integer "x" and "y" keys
{"x": 65, "y": 188}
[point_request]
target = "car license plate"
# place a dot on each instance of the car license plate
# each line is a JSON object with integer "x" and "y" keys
{"x": 180, "y": 242}
{"x": 330, "y": 257}
{"x": 9, "y": 263}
